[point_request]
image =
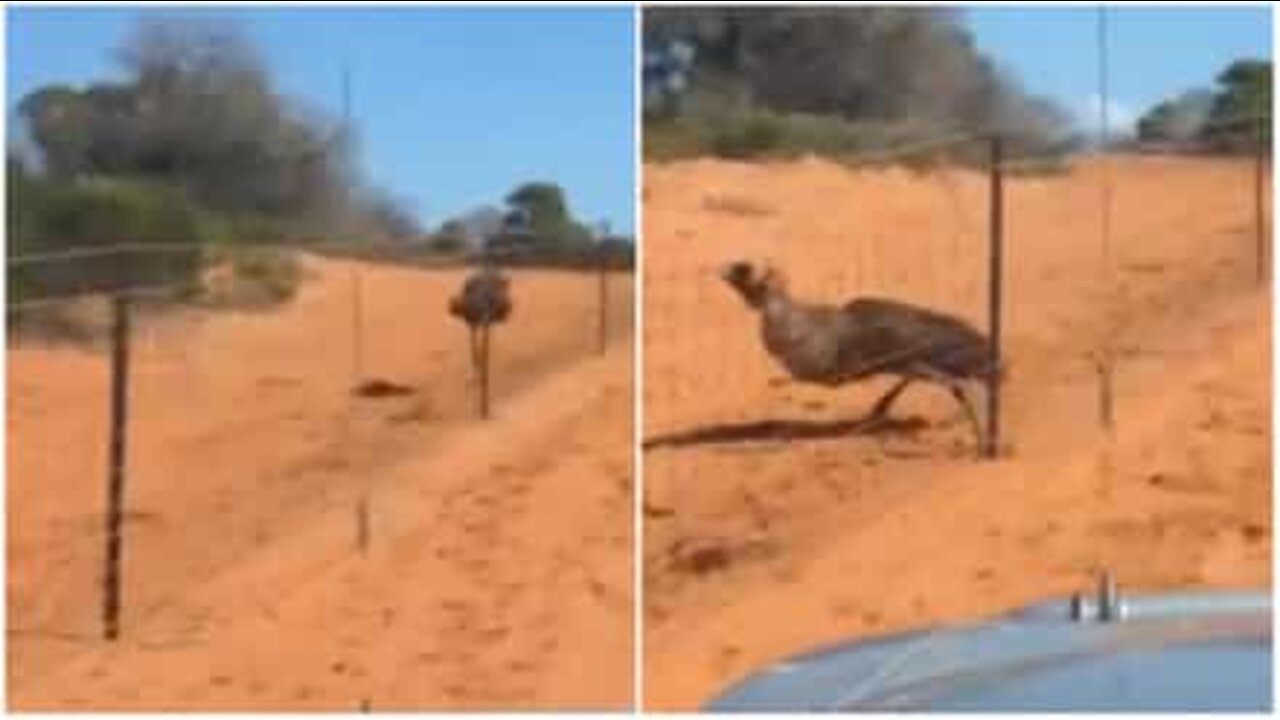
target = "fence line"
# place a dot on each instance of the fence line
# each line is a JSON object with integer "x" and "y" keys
{"x": 934, "y": 143}
{"x": 948, "y": 139}
{"x": 132, "y": 292}
{"x": 90, "y": 251}
{"x": 80, "y": 252}
{"x": 1024, "y": 162}
{"x": 673, "y": 290}
{"x": 1250, "y": 119}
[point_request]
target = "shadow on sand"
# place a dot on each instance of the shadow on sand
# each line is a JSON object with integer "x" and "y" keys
{"x": 772, "y": 429}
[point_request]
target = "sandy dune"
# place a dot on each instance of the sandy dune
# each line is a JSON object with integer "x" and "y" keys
{"x": 787, "y": 534}
{"x": 499, "y": 570}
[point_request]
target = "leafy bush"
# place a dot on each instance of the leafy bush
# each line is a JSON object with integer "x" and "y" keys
{"x": 764, "y": 134}
{"x": 749, "y": 135}
{"x": 744, "y": 134}
{"x": 446, "y": 244}
{"x": 48, "y": 217}
{"x": 247, "y": 276}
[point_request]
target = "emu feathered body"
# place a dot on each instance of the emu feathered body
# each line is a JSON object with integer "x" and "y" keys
{"x": 870, "y": 336}
{"x": 835, "y": 345}
{"x": 484, "y": 301}
{"x": 485, "y": 298}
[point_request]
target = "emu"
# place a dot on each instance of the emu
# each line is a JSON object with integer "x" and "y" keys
{"x": 484, "y": 301}
{"x": 866, "y": 337}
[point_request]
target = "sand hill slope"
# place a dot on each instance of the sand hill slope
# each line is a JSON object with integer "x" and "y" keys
{"x": 789, "y": 532}
{"x": 499, "y": 569}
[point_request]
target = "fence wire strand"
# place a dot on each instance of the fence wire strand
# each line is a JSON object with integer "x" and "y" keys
{"x": 86, "y": 252}
{"x": 916, "y": 148}
{"x": 135, "y": 292}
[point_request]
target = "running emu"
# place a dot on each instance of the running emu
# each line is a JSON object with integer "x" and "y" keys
{"x": 485, "y": 300}
{"x": 832, "y": 346}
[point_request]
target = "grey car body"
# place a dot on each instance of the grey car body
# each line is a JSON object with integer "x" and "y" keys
{"x": 1185, "y": 652}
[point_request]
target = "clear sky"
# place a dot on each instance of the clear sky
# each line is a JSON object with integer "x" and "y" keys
{"x": 1154, "y": 52}
{"x": 453, "y": 107}
{"x": 456, "y": 106}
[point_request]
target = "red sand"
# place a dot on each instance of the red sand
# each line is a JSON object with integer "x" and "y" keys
{"x": 757, "y": 550}
{"x": 499, "y": 574}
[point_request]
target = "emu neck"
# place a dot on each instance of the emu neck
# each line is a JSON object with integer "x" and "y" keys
{"x": 777, "y": 322}
{"x": 774, "y": 301}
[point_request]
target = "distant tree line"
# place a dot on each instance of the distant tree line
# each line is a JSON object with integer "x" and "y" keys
{"x": 1226, "y": 117}
{"x": 832, "y": 79}
{"x": 193, "y": 144}
{"x": 535, "y": 217}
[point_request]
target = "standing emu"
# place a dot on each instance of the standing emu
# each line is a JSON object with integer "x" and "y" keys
{"x": 485, "y": 300}
{"x": 865, "y": 337}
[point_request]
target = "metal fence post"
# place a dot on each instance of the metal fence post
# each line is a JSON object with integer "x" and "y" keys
{"x": 116, "y": 465}
{"x": 995, "y": 278}
{"x": 363, "y": 521}
{"x": 357, "y": 325}
{"x": 604, "y": 299}
{"x": 1259, "y": 201}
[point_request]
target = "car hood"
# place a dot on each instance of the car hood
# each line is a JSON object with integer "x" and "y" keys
{"x": 1208, "y": 651}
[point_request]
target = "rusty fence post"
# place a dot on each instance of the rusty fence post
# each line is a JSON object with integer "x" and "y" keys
{"x": 117, "y": 465}
{"x": 603, "y": 326}
{"x": 484, "y": 370}
{"x": 1262, "y": 256}
{"x": 995, "y": 282}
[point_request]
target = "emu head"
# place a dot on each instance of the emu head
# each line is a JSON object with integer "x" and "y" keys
{"x": 753, "y": 283}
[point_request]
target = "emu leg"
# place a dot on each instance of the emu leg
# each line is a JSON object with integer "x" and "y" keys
{"x": 478, "y": 379}
{"x": 957, "y": 391}
{"x": 956, "y": 386}
{"x": 484, "y": 371}
{"x": 881, "y": 408}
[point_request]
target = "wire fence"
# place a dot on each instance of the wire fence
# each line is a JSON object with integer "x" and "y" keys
{"x": 749, "y": 469}
{"x": 930, "y": 236}
{"x": 244, "y": 420}
{"x": 934, "y": 255}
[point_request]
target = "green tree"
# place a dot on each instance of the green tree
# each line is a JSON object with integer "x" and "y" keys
{"x": 25, "y": 197}
{"x": 59, "y": 120}
{"x": 48, "y": 215}
{"x": 197, "y": 110}
{"x": 864, "y": 64}
{"x": 546, "y": 210}
{"x": 1181, "y": 118}
{"x": 451, "y": 237}
{"x": 1245, "y": 90}
{"x": 1243, "y": 101}
{"x": 1226, "y": 117}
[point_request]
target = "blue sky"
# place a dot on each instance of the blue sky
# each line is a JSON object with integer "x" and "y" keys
{"x": 453, "y": 107}
{"x": 1155, "y": 52}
